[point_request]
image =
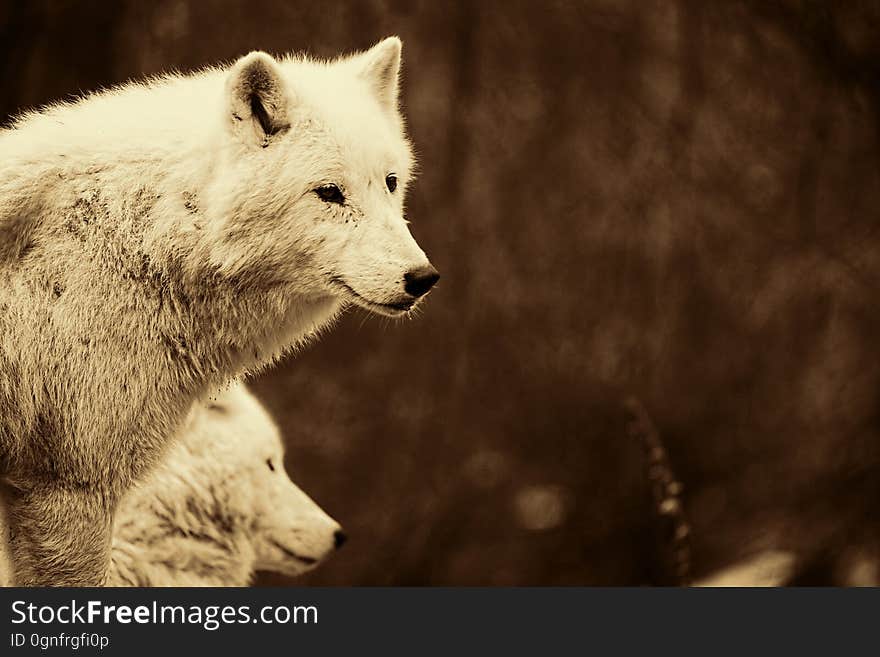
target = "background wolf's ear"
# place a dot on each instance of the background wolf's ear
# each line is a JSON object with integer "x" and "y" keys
{"x": 381, "y": 68}
{"x": 257, "y": 98}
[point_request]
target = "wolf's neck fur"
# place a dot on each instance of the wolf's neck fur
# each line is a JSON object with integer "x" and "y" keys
{"x": 180, "y": 328}
{"x": 201, "y": 558}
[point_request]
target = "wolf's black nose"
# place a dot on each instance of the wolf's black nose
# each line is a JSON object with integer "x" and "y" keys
{"x": 419, "y": 281}
{"x": 339, "y": 538}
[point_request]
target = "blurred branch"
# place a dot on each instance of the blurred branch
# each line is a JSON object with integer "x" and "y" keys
{"x": 665, "y": 489}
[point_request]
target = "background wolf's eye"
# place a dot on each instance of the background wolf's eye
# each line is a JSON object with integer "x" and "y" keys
{"x": 330, "y": 194}
{"x": 391, "y": 182}
{"x": 270, "y": 464}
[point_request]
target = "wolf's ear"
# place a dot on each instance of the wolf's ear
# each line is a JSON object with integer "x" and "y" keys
{"x": 381, "y": 68}
{"x": 257, "y": 98}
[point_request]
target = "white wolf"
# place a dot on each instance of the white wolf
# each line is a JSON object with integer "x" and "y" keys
{"x": 219, "y": 507}
{"x": 159, "y": 239}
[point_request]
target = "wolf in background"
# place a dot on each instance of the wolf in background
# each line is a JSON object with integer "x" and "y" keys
{"x": 218, "y": 508}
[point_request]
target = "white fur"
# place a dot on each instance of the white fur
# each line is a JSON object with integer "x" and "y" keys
{"x": 214, "y": 512}
{"x": 161, "y": 238}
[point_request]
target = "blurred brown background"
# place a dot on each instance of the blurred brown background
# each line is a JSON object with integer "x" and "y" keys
{"x": 672, "y": 200}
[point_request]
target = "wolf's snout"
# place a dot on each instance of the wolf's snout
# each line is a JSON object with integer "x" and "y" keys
{"x": 339, "y": 538}
{"x": 419, "y": 281}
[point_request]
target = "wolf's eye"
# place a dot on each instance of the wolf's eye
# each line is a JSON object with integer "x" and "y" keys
{"x": 270, "y": 464}
{"x": 391, "y": 182}
{"x": 330, "y": 194}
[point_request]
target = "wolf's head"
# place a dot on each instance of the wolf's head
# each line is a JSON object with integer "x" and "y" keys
{"x": 292, "y": 534}
{"x": 289, "y": 532}
{"x": 313, "y": 169}
{"x": 221, "y": 504}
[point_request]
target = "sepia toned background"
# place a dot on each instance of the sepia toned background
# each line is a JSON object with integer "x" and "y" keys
{"x": 670, "y": 201}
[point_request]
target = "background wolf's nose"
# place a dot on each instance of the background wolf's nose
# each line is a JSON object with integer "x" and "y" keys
{"x": 339, "y": 538}
{"x": 419, "y": 281}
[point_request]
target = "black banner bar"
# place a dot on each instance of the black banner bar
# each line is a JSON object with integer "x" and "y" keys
{"x": 417, "y": 621}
